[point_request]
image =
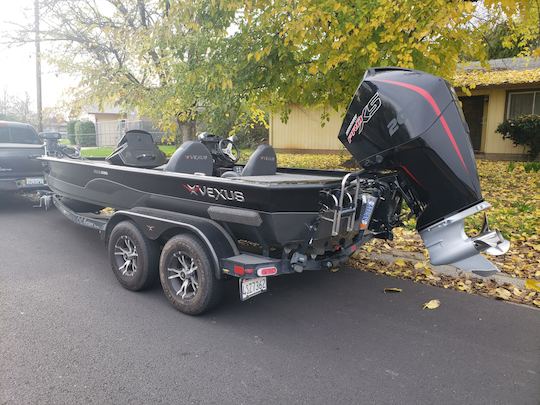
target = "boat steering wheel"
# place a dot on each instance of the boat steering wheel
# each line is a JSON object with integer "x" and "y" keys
{"x": 228, "y": 150}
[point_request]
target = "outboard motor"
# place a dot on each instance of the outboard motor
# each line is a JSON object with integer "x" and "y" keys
{"x": 411, "y": 122}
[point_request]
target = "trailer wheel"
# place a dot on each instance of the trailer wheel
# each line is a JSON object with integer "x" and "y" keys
{"x": 187, "y": 276}
{"x": 133, "y": 257}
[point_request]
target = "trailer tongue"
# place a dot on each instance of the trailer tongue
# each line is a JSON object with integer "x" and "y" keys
{"x": 411, "y": 122}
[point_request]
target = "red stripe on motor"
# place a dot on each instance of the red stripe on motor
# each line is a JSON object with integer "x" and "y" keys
{"x": 410, "y": 174}
{"x": 437, "y": 110}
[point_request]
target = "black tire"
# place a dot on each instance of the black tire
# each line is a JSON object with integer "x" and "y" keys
{"x": 142, "y": 271}
{"x": 80, "y": 206}
{"x": 189, "y": 250}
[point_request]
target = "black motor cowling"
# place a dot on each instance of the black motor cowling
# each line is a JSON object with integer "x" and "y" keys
{"x": 411, "y": 121}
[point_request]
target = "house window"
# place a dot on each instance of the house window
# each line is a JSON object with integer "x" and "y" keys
{"x": 522, "y": 103}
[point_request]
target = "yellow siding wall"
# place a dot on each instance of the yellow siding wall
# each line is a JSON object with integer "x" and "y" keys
{"x": 493, "y": 142}
{"x": 303, "y": 130}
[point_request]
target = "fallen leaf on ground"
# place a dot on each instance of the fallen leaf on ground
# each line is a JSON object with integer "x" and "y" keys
{"x": 433, "y": 304}
{"x": 400, "y": 263}
{"x": 532, "y": 285}
{"x": 392, "y": 290}
{"x": 502, "y": 293}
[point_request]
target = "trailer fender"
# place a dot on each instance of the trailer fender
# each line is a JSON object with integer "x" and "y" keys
{"x": 155, "y": 223}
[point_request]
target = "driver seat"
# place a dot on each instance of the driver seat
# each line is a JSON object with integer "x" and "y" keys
{"x": 262, "y": 162}
{"x": 191, "y": 157}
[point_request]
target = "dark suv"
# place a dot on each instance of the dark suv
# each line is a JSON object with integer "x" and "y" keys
{"x": 19, "y": 147}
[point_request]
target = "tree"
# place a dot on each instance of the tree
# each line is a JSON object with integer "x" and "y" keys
{"x": 71, "y": 131}
{"x": 136, "y": 54}
{"x": 228, "y": 62}
{"x": 496, "y": 41}
{"x": 508, "y": 28}
{"x": 315, "y": 51}
{"x": 13, "y": 108}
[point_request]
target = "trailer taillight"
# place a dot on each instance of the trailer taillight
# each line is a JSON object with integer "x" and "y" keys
{"x": 266, "y": 271}
{"x": 238, "y": 270}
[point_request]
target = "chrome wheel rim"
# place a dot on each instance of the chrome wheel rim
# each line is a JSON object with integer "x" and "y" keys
{"x": 182, "y": 275}
{"x": 126, "y": 256}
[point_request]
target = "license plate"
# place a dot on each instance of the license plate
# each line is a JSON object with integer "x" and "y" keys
{"x": 33, "y": 181}
{"x": 250, "y": 287}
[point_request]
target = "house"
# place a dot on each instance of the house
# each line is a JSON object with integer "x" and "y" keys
{"x": 509, "y": 88}
{"x": 111, "y": 123}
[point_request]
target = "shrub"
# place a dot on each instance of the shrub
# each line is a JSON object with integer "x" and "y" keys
{"x": 85, "y": 133}
{"x": 251, "y": 137}
{"x": 71, "y": 131}
{"x": 531, "y": 167}
{"x": 523, "y": 130}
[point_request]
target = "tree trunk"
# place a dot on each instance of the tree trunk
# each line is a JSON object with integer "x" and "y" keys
{"x": 186, "y": 131}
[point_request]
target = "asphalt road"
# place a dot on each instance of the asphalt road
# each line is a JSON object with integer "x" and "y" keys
{"x": 70, "y": 334}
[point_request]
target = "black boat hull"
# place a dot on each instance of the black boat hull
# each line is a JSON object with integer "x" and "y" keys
{"x": 278, "y": 214}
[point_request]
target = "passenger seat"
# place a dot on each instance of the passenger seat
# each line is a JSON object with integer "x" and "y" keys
{"x": 262, "y": 162}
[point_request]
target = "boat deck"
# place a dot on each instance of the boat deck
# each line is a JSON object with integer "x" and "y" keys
{"x": 287, "y": 178}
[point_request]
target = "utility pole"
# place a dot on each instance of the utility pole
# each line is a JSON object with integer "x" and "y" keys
{"x": 38, "y": 67}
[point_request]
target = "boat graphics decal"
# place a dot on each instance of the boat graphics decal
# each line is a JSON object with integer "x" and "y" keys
{"x": 356, "y": 126}
{"x": 215, "y": 193}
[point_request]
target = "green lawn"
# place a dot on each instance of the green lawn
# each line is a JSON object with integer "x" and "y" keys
{"x": 104, "y": 151}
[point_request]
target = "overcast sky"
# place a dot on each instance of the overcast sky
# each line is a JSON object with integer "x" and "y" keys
{"x": 17, "y": 64}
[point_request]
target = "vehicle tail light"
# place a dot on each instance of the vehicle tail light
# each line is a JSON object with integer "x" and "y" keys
{"x": 266, "y": 271}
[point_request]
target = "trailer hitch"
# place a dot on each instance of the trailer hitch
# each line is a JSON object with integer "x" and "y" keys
{"x": 448, "y": 243}
{"x": 45, "y": 199}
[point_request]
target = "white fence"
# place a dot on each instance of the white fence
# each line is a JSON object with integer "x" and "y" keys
{"x": 108, "y": 133}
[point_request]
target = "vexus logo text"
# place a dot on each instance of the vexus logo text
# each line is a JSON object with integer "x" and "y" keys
{"x": 356, "y": 125}
{"x": 215, "y": 193}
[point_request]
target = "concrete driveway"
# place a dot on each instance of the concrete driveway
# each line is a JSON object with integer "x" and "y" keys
{"x": 70, "y": 334}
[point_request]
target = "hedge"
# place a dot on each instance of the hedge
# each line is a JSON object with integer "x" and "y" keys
{"x": 85, "y": 133}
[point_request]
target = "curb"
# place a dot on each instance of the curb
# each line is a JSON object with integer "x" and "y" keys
{"x": 447, "y": 270}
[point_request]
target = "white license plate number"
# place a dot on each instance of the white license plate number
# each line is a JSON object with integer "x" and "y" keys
{"x": 33, "y": 181}
{"x": 250, "y": 287}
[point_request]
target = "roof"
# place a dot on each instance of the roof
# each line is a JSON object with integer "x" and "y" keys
{"x": 14, "y": 124}
{"x": 498, "y": 72}
{"x": 503, "y": 64}
{"x": 107, "y": 109}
